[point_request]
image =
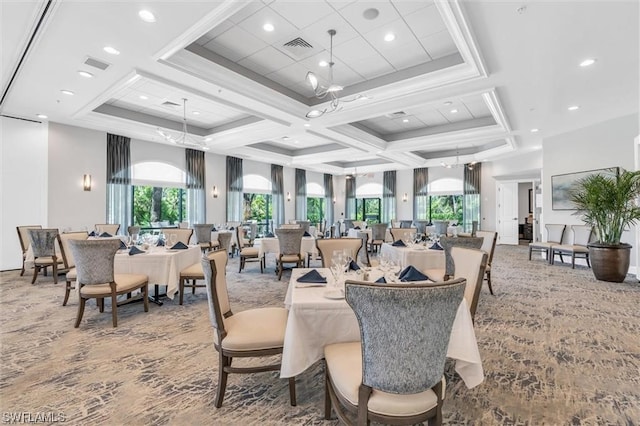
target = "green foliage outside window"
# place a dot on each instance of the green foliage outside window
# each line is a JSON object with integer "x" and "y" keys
{"x": 157, "y": 204}
{"x": 315, "y": 209}
{"x": 257, "y": 207}
{"x": 445, "y": 207}
{"x": 368, "y": 209}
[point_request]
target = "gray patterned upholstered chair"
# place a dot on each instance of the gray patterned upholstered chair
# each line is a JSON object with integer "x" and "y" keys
{"x": 109, "y": 228}
{"x": 224, "y": 240}
{"x": 44, "y": 251}
{"x": 247, "y": 252}
{"x": 304, "y": 224}
{"x": 441, "y": 226}
{"x": 182, "y": 234}
{"x": 378, "y": 234}
{"x": 97, "y": 280}
{"x": 289, "y": 241}
{"x": 327, "y": 246}
{"x": 23, "y": 236}
{"x": 395, "y": 374}
{"x": 555, "y": 234}
{"x": 470, "y": 265}
{"x": 348, "y": 224}
{"x": 406, "y": 223}
{"x": 581, "y": 237}
{"x": 203, "y": 236}
{"x": 132, "y": 230}
{"x": 488, "y": 246}
{"x": 447, "y": 244}
{"x": 68, "y": 259}
{"x": 250, "y": 333}
{"x": 421, "y": 226}
{"x": 363, "y": 257}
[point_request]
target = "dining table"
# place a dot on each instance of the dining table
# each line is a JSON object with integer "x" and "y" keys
{"x": 353, "y": 233}
{"x": 419, "y": 255}
{"x": 317, "y": 317}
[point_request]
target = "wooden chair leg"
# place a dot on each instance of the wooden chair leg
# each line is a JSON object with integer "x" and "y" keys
{"x": 22, "y": 272}
{"x": 193, "y": 289}
{"x": 529, "y": 252}
{"x": 261, "y": 263}
{"x": 100, "y": 303}
{"x": 36, "y": 270}
{"x": 181, "y": 290}
{"x": 145, "y": 297}
{"x": 80, "y": 312}
{"x": 489, "y": 282}
{"x": 222, "y": 379}
{"x": 587, "y": 259}
{"x": 327, "y": 397}
{"x": 573, "y": 261}
{"x": 55, "y": 271}
{"x": 67, "y": 291}
{"x": 114, "y": 309}
{"x": 292, "y": 391}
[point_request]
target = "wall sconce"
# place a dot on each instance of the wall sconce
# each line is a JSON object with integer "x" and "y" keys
{"x": 86, "y": 182}
{"x": 214, "y": 192}
{"x": 288, "y": 196}
{"x": 405, "y": 197}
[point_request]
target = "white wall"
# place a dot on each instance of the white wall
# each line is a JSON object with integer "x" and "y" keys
{"x": 404, "y": 184}
{"x": 216, "y": 174}
{"x": 23, "y": 184}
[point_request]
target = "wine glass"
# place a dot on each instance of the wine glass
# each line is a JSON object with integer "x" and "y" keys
{"x": 134, "y": 239}
{"x": 173, "y": 239}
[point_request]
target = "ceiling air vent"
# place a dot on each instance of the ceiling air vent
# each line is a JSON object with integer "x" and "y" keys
{"x": 298, "y": 48}
{"x": 92, "y": 62}
{"x": 298, "y": 42}
{"x": 396, "y": 114}
{"x": 170, "y": 104}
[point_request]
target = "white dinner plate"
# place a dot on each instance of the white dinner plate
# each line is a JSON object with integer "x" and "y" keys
{"x": 334, "y": 294}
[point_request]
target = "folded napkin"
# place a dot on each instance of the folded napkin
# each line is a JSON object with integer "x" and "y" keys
{"x": 179, "y": 246}
{"x": 454, "y": 224}
{"x": 312, "y": 276}
{"x": 270, "y": 235}
{"x": 356, "y": 227}
{"x": 353, "y": 266}
{"x": 381, "y": 280}
{"x": 135, "y": 250}
{"x": 214, "y": 229}
{"x": 410, "y": 273}
{"x": 429, "y": 224}
{"x": 306, "y": 234}
{"x": 436, "y": 246}
{"x": 160, "y": 243}
{"x": 231, "y": 229}
{"x": 106, "y": 234}
{"x": 123, "y": 246}
{"x": 399, "y": 243}
{"x": 92, "y": 233}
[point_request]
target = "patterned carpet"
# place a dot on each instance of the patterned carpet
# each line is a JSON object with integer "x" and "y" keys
{"x": 558, "y": 348}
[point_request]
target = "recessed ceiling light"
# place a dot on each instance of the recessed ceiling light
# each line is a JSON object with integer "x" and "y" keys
{"x": 208, "y": 139}
{"x": 147, "y": 16}
{"x": 285, "y": 138}
{"x": 307, "y": 125}
{"x": 41, "y": 116}
{"x": 296, "y": 142}
{"x": 143, "y": 97}
{"x": 268, "y": 27}
{"x": 323, "y": 63}
{"x": 111, "y": 50}
{"x": 67, "y": 92}
{"x": 196, "y": 112}
{"x": 573, "y": 107}
{"x": 371, "y": 13}
{"x": 389, "y": 37}
{"x": 454, "y": 111}
{"x": 447, "y": 103}
{"x": 535, "y": 130}
{"x": 85, "y": 74}
{"x": 406, "y": 120}
{"x": 587, "y": 62}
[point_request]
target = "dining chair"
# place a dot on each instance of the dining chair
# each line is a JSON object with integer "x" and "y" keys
{"x": 489, "y": 247}
{"x": 97, "y": 280}
{"x": 348, "y": 224}
{"x": 421, "y": 226}
{"x": 68, "y": 260}
{"x": 182, "y": 234}
{"x": 290, "y": 241}
{"x": 327, "y": 246}
{"x": 42, "y": 243}
{"x": 203, "y": 236}
{"x": 474, "y": 229}
{"x": 251, "y": 333}
{"x": 581, "y": 237}
{"x": 441, "y": 226}
{"x": 189, "y": 277}
{"x": 378, "y": 235}
{"x": 23, "y": 236}
{"x": 132, "y": 230}
{"x": 406, "y": 223}
{"x": 224, "y": 241}
{"x": 402, "y": 233}
{"x": 364, "y": 252}
{"x": 304, "y": 224}
{"x": 395, "y": 374}
{"x": 555, "y": 234}
{"x": 447, "y": 244}
{"x": 109, "y": 228}
{"x": 248, "y": 253}
{"x": 470, "y": 264}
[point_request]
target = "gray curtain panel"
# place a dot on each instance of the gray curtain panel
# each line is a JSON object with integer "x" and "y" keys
{"x": 471, "y": 196}
{"x": 119, "y": 193}
{"x": 301, "y": 194}
{"x": 196, "y": 210}
{"x": 277, "y": 194}
{"x": 388, "y": 196}
{"x": 234, "y": 189}
{"x": 328, "y": 198}
{"x": 420, "y": 193}
{"x": 350, "y": 198}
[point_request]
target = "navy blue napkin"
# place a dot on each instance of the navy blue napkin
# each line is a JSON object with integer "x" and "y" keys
{"x": 92, "y": 233}
{"x": 160, "y": 243}
{"x": 306, "y": 234}
{"x": 410, "y": 273}
{"x": 399, "y": 243}
{"x": 106, "y": 234}
{"x": 429, "y": 224}
{"x": 231, "y": 229}
{"x": 436, "y": 246}
{"x": 214, "y": 229}
{"x": 312, "y": 276}
{"x": 381, "y": 280}
{"x": 454, "y": 224}
{"x": 179, "y": 246}
{"x": 135, "y": 250}
{"x": 123, "y": 246}
{"x": 353, "y": 266}
{"x": 270, "y": 235}
{"x": 356, "y": 227}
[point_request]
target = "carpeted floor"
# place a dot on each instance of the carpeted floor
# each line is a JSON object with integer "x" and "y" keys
{"x": 558, "y": 348}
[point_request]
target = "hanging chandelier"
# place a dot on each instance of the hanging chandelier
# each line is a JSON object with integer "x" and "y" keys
{"x": 331, "y": 91}
{"x": 184, "y": 139}
{"x": 457, "y": 164}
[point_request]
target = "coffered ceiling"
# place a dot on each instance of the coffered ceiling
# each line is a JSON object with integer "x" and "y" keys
{"x": 460, "y": 81}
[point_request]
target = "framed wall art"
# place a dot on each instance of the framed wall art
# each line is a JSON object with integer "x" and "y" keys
{"x": 561, "y": 185}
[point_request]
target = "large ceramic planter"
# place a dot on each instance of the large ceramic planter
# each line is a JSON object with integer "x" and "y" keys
{"x": 610, "y": 262}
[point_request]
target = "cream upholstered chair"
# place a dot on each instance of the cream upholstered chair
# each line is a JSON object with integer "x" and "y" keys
{"x": 488, "y": 246}
{"x": 290, "y": 241}
{"x": 251, "y": 333}
{"x": 182, "y": 234}
{"x": 97, "y": 280}
{"x": 203, "y": 236}
{"x": 378, "y": 234}
{"x": 42, "y": 243}
{"x": 395, "y": 375}
{"x": 327, "y": 246}
{"x": 363, "y": 257}
{"x": 470, "y": 264}
{"x": 447, "y": 244}
{"x": 555, "y": 234}
{"x": 402, "y": 233}
{"x": 23, "y": 236}
{"x": 68, "y": 259}
{"x": 109, "y": 228}
{"x": 224, "y": 240}
{"x": 581, "y": 237}
{"x": 132, "y": 230}
{"x": 248, "y": 252}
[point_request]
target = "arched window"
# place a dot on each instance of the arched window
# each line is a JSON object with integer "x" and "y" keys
{"x": 257, "y": 204}
{"x": 159, "y": 196}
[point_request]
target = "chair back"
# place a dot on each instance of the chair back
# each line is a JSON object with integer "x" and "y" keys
{"x": 131, "y": 230}
{"x": 94, "y": 260}
{"x": 402, "y": 233}
{"x": 23, "y": 235}
{"x": 364, "y": 253}
{"x": 448, "y": 243}
{"x": 290, "y": 226}
{"x": 327, "y": 246}
{"x": 421, "y": 225}
{"x": 214, "y": 266}
{"x": 224, "y": 238}
{"x": 489, "y": 243}
{"x": 474, "y": 228}
{"x": 348, "y": 224}
{"x": 555, "y": 232}
{"x": 43, "y": 241}
{"x": 378, "y": 231}
{"x": 404, "y": 328}
{"x": 203, "y": 232}
{"x": 65, "y": 250}
{"x": 470, "y": 265}
{"x": 242, "y": 237}
{"x": 406, "y": 223}
{"x": 441, "y": 226}
{"x": 581, "y": 234}
{"x": 289, "y": 240}
{"x": 359, "y": 224}
{"x": 183, "y": 235}
{"x": 109, "y": 228}
{"x": 304, "y": 224}
{"x": 183, "y": 225}
{"x": 332, "y": 232}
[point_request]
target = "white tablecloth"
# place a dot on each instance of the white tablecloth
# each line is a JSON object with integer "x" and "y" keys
{"x": 315, "y": 321}
{"x": 163, "y": 266}
{"x": 419, "y": 256}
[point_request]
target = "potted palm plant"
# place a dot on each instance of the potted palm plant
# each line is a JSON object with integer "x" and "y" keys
{"x": 607, "y": 202}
